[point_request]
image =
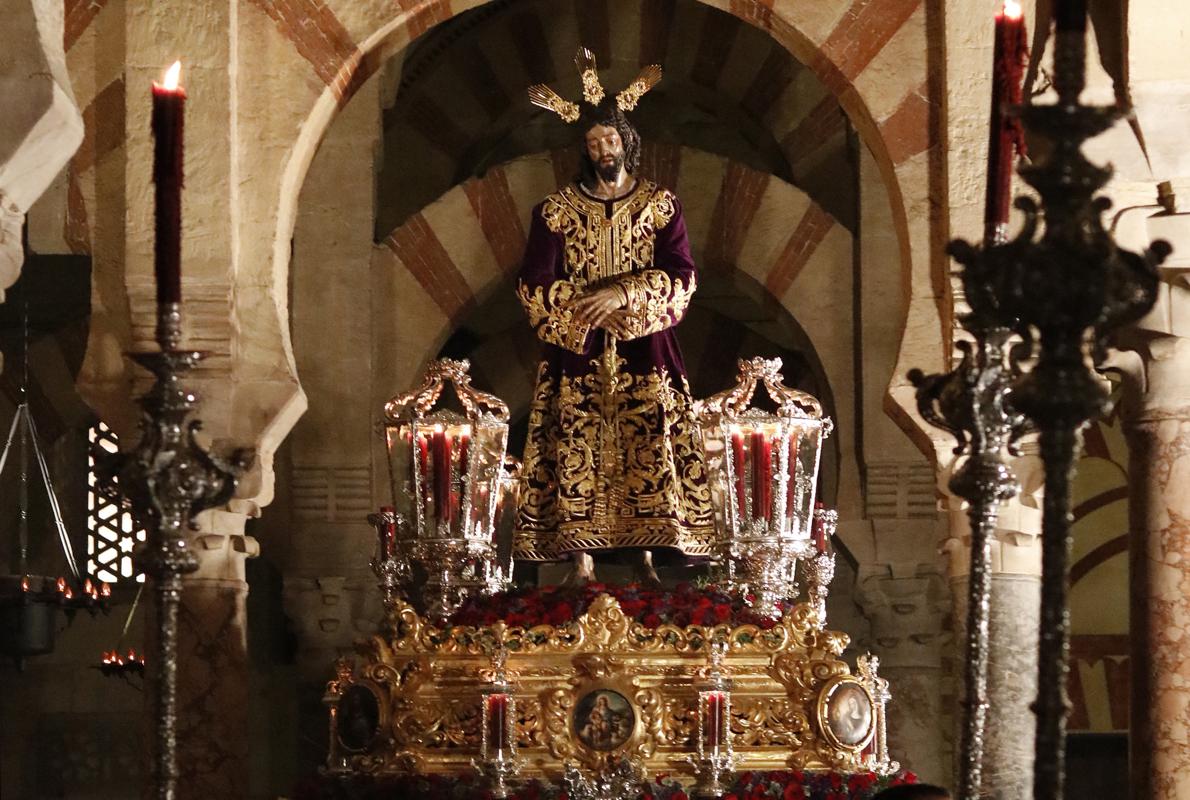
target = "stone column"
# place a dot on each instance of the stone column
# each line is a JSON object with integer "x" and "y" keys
{"x": 1156, "y": 414}
{"x": 901, "y": 591}
{"x": 1012, "y": 628}
{"x": 213, "y": 681}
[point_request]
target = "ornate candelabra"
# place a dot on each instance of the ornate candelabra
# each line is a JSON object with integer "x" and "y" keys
{"x": 497, "y": 760}
{"x": 715, "y": 760}
{"x": 820, "y": 567}
{"x": 169, "y": 478}
{"x": 764, "y": 472}
{"x": 1070, "y": 285}
{"x": 448, "y": 482}
{"x": 868, "y": 667}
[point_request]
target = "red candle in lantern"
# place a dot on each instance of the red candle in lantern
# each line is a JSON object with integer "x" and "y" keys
{"x": 169, "y": 101}
{"x": 737, "y": 454}
{"x": 498, "y": 722}
{"x": 716, "y": 702}
{"x": 819, "y": 530}
{"x": 1007, "y": 136}
{"x": 762, "y": 475}
{"x": 791, "y": 469}
{"x": 463, "y": 448}
{"x": 440, "y": 452}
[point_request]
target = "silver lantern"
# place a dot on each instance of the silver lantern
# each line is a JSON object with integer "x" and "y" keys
{"x": 448, "y": 482}
{"x": 764, "y": 473}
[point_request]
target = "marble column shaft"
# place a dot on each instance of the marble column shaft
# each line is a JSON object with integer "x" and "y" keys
{"x": 1159, "y": 515}
{"x": 1015, "y": 613}
{"x": 213, "y": 684}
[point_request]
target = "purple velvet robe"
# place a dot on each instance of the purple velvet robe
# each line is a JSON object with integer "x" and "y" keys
{"x": 614, "y": 457}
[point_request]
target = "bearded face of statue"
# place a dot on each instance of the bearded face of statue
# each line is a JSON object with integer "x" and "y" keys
{"x": 605, "y": 149}
{"x": 610, "y": 144}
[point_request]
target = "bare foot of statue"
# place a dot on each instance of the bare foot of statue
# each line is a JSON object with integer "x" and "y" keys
{"x": 583, "y": 571}
{"x": 644, "y": 571}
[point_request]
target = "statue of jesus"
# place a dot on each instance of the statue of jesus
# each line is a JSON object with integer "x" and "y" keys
{"x": 614, "y": 458}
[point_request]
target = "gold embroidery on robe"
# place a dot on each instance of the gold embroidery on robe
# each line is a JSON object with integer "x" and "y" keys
{"x": 614, "y": 457}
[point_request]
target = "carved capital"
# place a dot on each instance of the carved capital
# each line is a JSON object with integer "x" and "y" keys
{"x": 1016, "y": 546}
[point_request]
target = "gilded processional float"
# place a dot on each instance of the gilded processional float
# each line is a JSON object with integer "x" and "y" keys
{"x": 471, "y": 684}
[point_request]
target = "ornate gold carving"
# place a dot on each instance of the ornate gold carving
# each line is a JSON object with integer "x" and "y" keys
{"x": 425, "y": 396}
{"x": 754, "y": 372}
{"x": 543, "y": 96}
{"x": 648, "y": 77}
{"x": 592, "y": 89}
{"x": 429, "y": 682}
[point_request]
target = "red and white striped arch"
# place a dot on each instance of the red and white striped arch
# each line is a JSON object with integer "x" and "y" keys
{"x": 870, "y": 54}
{"x": 446, "y": 259}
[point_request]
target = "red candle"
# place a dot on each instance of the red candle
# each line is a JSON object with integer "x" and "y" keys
{"x": 464, "y": 443}
{"x": 737, "y": 454}
{"x": 715, "y": 719}
{"x": 497, "y": 722}
{"x": 819, "y": 530}
{"x": 762, "y": 475}
{"x": 1007, "y": 136}
{"x": 169, "y": 100}
{"x": 791, "y": 469}
{"x": 440, "y": 452}
{"x": 388, "y": 533}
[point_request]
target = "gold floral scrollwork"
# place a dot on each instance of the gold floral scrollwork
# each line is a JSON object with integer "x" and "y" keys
{"x": 652, "y": 722}
{"x": 604, "y": 626}
{"x": 591, "y": 665}
{"x": 768, "y": 722}
{"x": 558, "y": 706}
{"x": 530, "y": 723}
{"x": 681, "y": 722}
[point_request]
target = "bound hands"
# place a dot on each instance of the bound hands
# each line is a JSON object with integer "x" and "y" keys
{"x": 596, "y": 308}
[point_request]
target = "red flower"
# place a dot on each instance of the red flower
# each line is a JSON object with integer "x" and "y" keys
{"x": 793, "y": 791}
{"x": 651, "y": 620}
{"x": 560, "y": 614}
{"x": 722, "y": 612}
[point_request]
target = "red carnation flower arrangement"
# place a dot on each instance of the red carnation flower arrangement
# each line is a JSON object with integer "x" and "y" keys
{"x": 557, "y": 605}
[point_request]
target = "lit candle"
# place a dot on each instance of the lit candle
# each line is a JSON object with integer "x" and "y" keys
{"x": 1070, "y": 16}
{"x": 25, "y": 584}
{"x": 464, "y": 440}
{"x": 1006, "y": 137}
{"x": 105, "y": 589}
{"x": 737, "y": 454}
{"x": 715, "y": 719}
{"x": 169, "y": 100}
{"x": 61, "y": 585}
{"x": 761, "y": 475}
{"x": 68, "y": 594}
{"x": 498, "y": 732}
{"x": 440, "y": 452}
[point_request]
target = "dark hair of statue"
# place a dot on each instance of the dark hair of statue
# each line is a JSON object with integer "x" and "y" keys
{"x": 609, "y": 114}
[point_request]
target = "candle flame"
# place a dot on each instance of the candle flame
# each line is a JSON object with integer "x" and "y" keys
{"x": 25, "y": 584}
{"x": 105, "y": 589}
{"x": 61, "y": 584}
{"x": 172, "y": 75}
{"x": 1012, "y": 9}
